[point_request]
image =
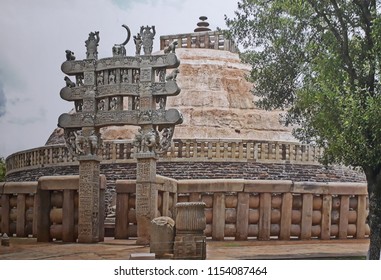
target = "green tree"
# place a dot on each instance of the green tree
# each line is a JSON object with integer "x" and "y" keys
{"x": 2, "y": 169}
{"x": 320, "y": 61}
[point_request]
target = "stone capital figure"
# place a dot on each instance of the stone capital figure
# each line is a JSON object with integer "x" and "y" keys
{"x": 92, "y": 45}
{"x": 147, "y": 38}
{"x": 138, "y": 43}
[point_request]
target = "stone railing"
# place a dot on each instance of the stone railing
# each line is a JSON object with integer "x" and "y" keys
{"x": 17, "y": 201}
{"x": 46, "y": 209}
{"x": 165, "y": 190}
{"x": 238, "y": 209}
{"x": 218, "y": 150}
{"x": 205, "y": 40}
{"x": 269, "y": 210}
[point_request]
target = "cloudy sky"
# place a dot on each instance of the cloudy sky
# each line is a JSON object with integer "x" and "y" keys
{"x": 35, "y": 34}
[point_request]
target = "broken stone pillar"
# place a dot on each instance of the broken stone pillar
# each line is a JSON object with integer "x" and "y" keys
{"x": 162, "y": 236}
{"x": 4, "y": 240}
{"x": 190, "y": 240}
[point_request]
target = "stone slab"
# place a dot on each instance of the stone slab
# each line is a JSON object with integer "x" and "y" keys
{"x": 19, "y": 187}
{"x": 125, "y": 186}
{"x": 70, "y": 182}
{"x": 268, "y": 186}
{"x": 142, "y": 256}
{"x": 220, "y": 185}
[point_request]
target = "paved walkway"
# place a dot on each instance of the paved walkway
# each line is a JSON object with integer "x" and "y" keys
{"x": 111, "y": 249}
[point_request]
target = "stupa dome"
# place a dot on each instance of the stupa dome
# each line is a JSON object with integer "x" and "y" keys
{"x": 215, "y": 99}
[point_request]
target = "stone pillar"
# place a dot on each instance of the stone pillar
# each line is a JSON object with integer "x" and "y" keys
{"x": 190, "y": 240}
{"x": 88, "y": 204}
{"x": 146, "y": 195}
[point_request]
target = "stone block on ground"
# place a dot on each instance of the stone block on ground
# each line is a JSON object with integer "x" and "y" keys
{"x": 162, "y": 236}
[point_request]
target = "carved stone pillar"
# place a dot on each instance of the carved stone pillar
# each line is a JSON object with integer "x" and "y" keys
{"x": 146, "y": 195}
{"x": 88, "y": 204}
{"x": 190, "y": 240}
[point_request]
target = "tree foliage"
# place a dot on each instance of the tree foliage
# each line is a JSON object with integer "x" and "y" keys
{"x": 2, "y": 169}
{"x": 320, "y": 61}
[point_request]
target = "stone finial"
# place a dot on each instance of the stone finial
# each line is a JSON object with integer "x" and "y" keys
{"x": 138, "y": 43}
{"x": 119, "y": 49}
{"x": 147, "y": 34}
{"x": 92, "y": 45}
{"x": 202, "y": 25}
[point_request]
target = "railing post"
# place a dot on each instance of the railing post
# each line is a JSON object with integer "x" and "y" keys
{"x": 68, "y": 216}
{"x": 326, "y": 217}
{"x": 242, "y": 216}
{"x": 218, "y": 226}
{"x": 344, "y": 213}
{"x": 264, "y": 216}
{"x": 361, "y": 216}
{"x": 5, "y": 208}
{"x": 286, "y": 213}
{"x": 306, "y": 216}
{"x": 20, "y": 224}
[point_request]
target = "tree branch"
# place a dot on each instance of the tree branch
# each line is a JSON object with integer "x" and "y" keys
{"x": 341, "y": 37}
{"x": 366, "y": 16}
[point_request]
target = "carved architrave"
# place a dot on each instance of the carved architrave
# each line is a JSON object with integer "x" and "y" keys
{"x": 89, "y": 78}
{"x": 72, "y": 67}
{"x": 72, "y": 94}
{"x": 124, "y": 117}
{"x": 78, "y": 120}
{"x": 170, "y": 88}
{"x": 145, "y": 103}
{"x": 105, "y": 118}
{"x": 146, "y": 74}
{"x": 158, "y": 89}
{"x": 117, "y": 89}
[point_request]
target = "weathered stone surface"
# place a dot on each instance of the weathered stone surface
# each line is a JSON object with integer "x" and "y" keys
{"x": 162, "y": 236}
{"x": 215, "y": 101}
{"x": 56, "y": 137}
{"x": 190, "y": 247}
{"x": 88, "y": 208}
{"x": 190, "y": 241}
{"x": 190, "y": 217}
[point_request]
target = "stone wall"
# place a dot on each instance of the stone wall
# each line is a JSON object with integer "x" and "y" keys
{"x": 208, "y": 170}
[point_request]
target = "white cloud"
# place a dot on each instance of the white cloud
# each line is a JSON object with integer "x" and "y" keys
{"x": 35, "y": 34}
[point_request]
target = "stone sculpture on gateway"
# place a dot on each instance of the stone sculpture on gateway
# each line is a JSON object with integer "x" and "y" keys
{"x": 105, "y": 86}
